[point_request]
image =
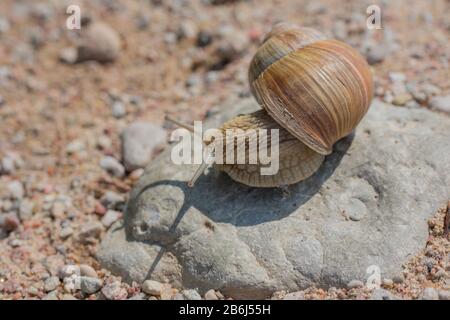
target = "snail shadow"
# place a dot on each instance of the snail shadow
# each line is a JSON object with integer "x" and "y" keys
{"x": 223, "y": 200}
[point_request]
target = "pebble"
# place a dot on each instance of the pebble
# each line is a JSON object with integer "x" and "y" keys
{"x": 112, "y": 166}
{"x": 9, "y": 221}
{"x": 388, "y": 282}
{"x": 26, "y": 209}
{"x": 99, "y": 42}
{"x": 153, "y": 288}
{"x": 68, "y": 270}
{"x": 204, "y": 39}
{"x": 110, "y": 217}
{"x": 399, "y": 278}
{"x": 211, "y": 295}
{"x": 104, "y": 142}
{"x": 51, "y": 283}
{"x": 65, "y": 233}
{"x": 376, "y": 54}
{"x": 16, "y": 189}
{"x": 401, "y": 99}
{"x": 430, "y": 294}
{"x": 72, "y": 283}
{"x": 137, "y": 148}
{"x": 112, "y": 199}
{"x": 382, "y": 294}
{"x": 90, "y": 285}
{"x": 67, "y": 296}
{"x": 355, "y": 284}
{"x": 139, "y": 296}
{"x": 439, "y": 274}
{"x": 114, "y": 291}
{"x": 299, "y": 295}
{"x": 88, "y": 271}
{"x": 75, "y": 146}
{"x": 118, "y": 109}
{"x": 90, "y": 230}
{"x": 444, "y": 294}
{"x": 58, "y": 209}
{"x": 397, "y": 77}
{"x": 441, "y": 104}
{"x": 7, "y": 165}
{"x": 51, "y": 296}
{"x": 191, "y": 294}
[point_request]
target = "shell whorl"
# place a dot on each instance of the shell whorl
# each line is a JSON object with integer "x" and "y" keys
{"x": 318, "y": 89}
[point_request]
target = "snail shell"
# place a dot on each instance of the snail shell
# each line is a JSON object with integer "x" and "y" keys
{"x": 313, "y": 89}
{"x": 316, "y": 88}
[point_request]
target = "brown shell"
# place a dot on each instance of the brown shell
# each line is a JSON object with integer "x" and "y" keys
{"x": 296, "y": 161}
{"x": 316, "y": 88}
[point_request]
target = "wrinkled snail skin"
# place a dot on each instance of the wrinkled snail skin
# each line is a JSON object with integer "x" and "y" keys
{"x": 296, "y": 161}
{"x": 313, "y": 89}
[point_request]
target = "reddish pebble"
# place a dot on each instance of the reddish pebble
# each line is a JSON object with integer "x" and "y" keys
{"x": 11, "y": 222}
{"x": 99, "y": 209}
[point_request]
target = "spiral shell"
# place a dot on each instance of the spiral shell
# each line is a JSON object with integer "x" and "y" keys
{"x": 316, "y": 88}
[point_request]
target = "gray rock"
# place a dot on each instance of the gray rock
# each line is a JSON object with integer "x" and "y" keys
{"x": 111, "y": 199}
{"x": 51, "y": 283}
{"x": 430, "y": 294}
{"x": 251, "y": 242}
{"x": 118, "y": 109}
{"x": 112, "y": 166}
{"x": 355, "y": 284}
{"x": 16, "y": 189}
{"x": 139, "y": 141}
{"x": 191, "y": 294}
{"x": 90, "y": 285}
{"x": 90, "y": 230}
{"x": 26, "y": 209}
{"x": 441, "y": 104}
{"x": 444, "y": 294}
{"x": 382, "y": 294}
{"x": 114, "y": 291}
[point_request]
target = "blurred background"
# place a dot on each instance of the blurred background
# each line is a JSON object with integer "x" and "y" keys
{"x": 71, "y": 99}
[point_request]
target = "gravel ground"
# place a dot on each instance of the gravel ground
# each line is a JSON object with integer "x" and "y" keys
{"x": 69, "y": 131}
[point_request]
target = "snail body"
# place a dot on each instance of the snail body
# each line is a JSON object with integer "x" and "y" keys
{"x": 313, "y": 89}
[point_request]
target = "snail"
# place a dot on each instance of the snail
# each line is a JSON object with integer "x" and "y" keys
{"x": 313, "y": 89}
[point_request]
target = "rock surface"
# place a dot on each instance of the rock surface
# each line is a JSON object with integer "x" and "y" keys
{"x": 249, "y": 242}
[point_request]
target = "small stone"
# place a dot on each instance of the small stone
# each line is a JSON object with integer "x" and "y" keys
{"x": 99, "y": 209}
{"x": 72, "y": 283}
{"x": 430, "y": 294}
{"x": 112, "y": 199}
{"x": 187, "y": 30}
{"x": 100, "y": 43}
{"x": 89, "y": 231}
{"x": 33, "y": 291}
{"x": 9, "y": 221}
{"x": 191, "y": 294}
{"x": 51, "y": 296}
{"x": 26, "y": 209}
{"x": 136, "y": 174}
{"x": 104, "y": 142}
{"x": 401, "y": 99}
{"x": 112, "y": 166}
{"x": 397, "y": 77}
{"x": 355, "y": 284}
{"x": 110, "y": 217}
{"x": 51, "y": 283}
{"x": 441, "y": 104}
{"x": 114, "y": 291}
{"x": 75, "y": 147}
{"x": 90, "y": 285}
{"x": 398, "y": 278}
{"x": 67, "y": 296}
{"x": 7, "y": 165}
{"x": 118, "y": 109}
{"x": 299, "y": 295}
{"x": 139, "y": 296}
{"x": 153, "y": 288}
{"x": 211, "y": 295}
{"x": 376, "y": 54}
{"x": 137, "y": 147}
{"x": 88, "y": 271}
{"x": 439, "y": 274}
{"x": 444, "y": 294}
{"x": 58, "y": 209}
{"x": 382, "y": 294}
{"x": 16, "y": 189}
{"x": 68, "y": 270}
{"x": 65, "y": 233}
{"x": 68, "y": 55}
{"x": 204, "y": 39}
